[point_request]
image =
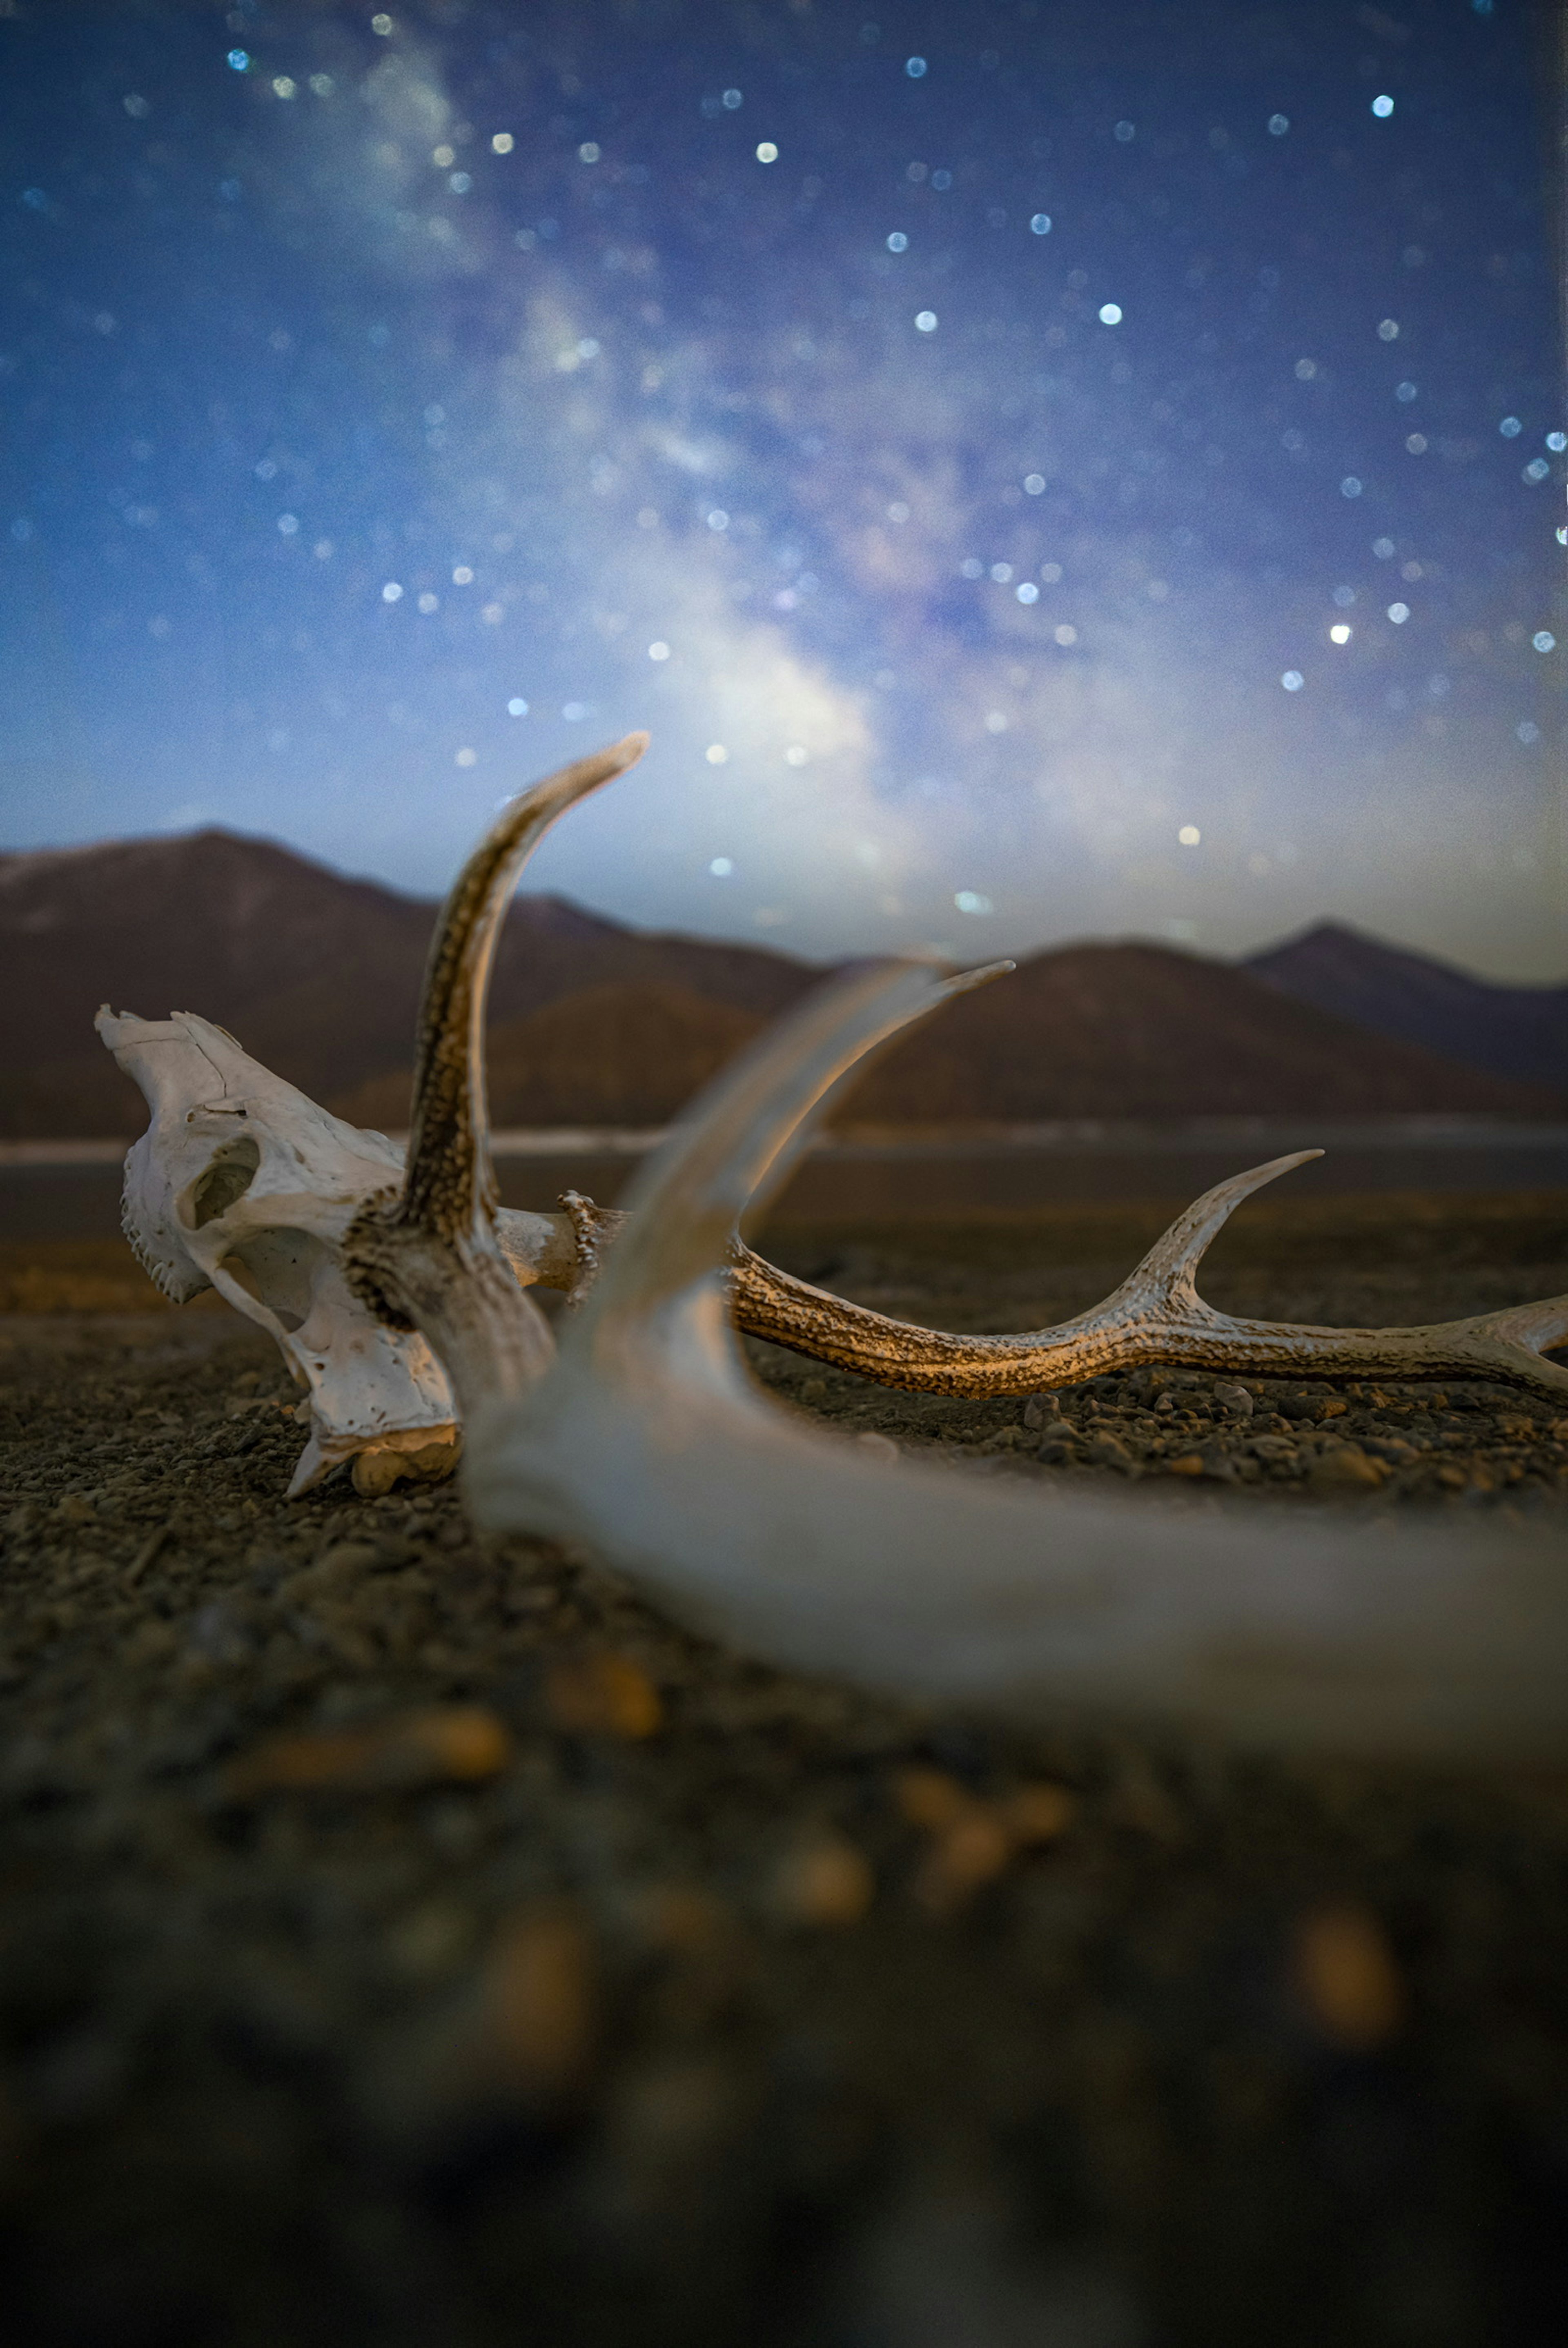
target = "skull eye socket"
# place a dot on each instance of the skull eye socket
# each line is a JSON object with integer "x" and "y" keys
{"x": 278, "y": 1269}
{"x": 228, "y": 1177}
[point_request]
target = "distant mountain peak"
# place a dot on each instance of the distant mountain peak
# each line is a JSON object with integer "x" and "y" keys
{"x": 1518, "y": 1031}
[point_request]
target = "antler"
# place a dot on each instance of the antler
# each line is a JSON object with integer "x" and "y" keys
{"x": 648, "y": 1440}
{"x": 428, "y": 1253}
{"x": 1156, "y": 1315}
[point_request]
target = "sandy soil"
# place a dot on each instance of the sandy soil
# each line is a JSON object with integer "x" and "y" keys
{"x": 412, "y": 1939}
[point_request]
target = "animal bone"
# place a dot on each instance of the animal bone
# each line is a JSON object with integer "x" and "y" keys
{"x": 242, "y": 1184}
{"x": 646, "y": 1440}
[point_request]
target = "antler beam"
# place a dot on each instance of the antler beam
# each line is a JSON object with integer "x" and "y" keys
{"x": 1156, "y": 1315}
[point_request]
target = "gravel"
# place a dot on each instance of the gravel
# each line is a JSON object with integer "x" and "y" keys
{"x": 408, "y": 1938}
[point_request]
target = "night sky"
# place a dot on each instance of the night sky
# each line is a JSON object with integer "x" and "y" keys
{"x": 1040, "y": 471}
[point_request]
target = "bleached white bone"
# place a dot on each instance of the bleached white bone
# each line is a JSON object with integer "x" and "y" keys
{"x": 242, "y": 1184}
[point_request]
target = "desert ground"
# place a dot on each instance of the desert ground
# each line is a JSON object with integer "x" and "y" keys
{"x": 411, "y": 1938}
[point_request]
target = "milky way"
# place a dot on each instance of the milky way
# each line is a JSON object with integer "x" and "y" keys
{"x": 1040, "y": 471}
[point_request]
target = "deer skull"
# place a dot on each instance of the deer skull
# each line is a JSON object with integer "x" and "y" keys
{"x": 242, "y": 1184}
{"x": 246, "y": 1185}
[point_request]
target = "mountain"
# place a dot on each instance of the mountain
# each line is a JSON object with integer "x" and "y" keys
{"x": 1084, "y": 1032}
{"x": 594, "y": 1024}
{"x": 630, "y": 1056}
{"x": 1512, "y": 1031}
{"x": 1146, "y": 1031}
{"x": 317, "y": 974}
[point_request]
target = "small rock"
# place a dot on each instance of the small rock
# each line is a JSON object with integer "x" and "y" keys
{"x": 972, "y": 1840}
{"x": 880, "y": 1448}
{"x": 1235, "y": 1399}
{"x": 930, "y": 1797}
{"x": 1037, "y": 1813}
{"x": 376, "y": 1472}
{"x": 973, "y": 1851}
{"x": 1398, "y": 1454}
{"x": 1346, "y": 1976}
{"x": 452, "y": 1744}
{"x": 539, "y": 2010}
{"x": 826, "y": 1881}
{"x": 685, "y": 1920}
{"x": 1345, "y": 1467}
{"x": 220, "y": 1635}
{"x": 605, "y": 1695}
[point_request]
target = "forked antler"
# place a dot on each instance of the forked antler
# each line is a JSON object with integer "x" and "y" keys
{"x": 1156, "y": 1315}
{"x": 646, "y": 1440}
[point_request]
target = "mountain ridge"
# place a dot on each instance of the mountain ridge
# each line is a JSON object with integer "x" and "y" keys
{"x": 1516, "y": 1031}
{"x": 319, "y": 975}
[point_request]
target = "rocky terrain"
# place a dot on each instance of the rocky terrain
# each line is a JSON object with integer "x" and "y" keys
{"x": 411, "y": 1938}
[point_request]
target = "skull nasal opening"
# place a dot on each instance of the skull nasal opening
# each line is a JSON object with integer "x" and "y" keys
{"x": 228, "y": 1177}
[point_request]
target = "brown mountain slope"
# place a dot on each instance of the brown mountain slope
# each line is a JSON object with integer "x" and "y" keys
{"x": 613, "y": 1056}
{"x": 1122, "y": 1031}
{"x": 1514, "y": 1031}
{"x": 1142, "y": 1031}
{"x": 318, "y": 976}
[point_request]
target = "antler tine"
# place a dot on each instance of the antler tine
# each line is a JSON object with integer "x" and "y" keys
{"x": 449, "y": 1187}
{"x": 649, "y": 1442}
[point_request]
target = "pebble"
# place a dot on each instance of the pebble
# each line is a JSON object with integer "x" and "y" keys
{"x": 1346, "y": 1977}
{"x": 973, "y": 1839}
{"x": 540, "y": 2001}
{"x": 881, "y": 1449}
{"x": 825, "y": 1880}
{"x": 605, "y": 1695}
{"x": 1345, "y": 1467}
{"x": 456, "y": 1744}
